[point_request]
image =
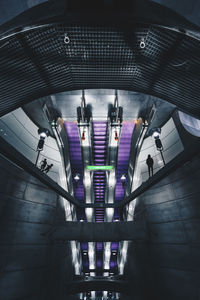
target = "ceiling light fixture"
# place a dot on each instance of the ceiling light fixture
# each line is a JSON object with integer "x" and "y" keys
{"x": 43, "y": 133}
{"x": 142, "y": 44}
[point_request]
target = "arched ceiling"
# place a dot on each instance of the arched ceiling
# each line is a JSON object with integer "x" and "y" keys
{"x": 103, "y": 52}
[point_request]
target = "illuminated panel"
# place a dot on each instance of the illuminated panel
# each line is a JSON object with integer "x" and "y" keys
{"x": 100, "y": 168}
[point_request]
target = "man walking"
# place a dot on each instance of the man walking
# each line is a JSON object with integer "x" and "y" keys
{"x": 43, "y": 164}
{"x": 150, "y": 163}
{"x": 47, "y": 169}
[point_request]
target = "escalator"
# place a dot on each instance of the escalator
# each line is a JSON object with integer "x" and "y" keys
{"x": 99, "y": 154}
{"x": 99, "y": 181}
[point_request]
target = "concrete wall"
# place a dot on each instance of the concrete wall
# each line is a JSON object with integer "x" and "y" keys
{"x": 167, "y": 266}
{"x": 32, "y": 266}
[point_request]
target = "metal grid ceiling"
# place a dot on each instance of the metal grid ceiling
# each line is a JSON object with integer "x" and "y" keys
{"x": 38, "y": 63}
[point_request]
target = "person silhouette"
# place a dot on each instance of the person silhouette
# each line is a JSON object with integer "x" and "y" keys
{"x": 43, "y": 164}
{"x": 150, "y": 163}
{"x": 47, "y": 169}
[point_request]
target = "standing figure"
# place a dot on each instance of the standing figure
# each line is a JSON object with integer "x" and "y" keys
{"x": 150, "y": 163}
{"x": 47, "y": 169}
{"x": 43, "y": 164}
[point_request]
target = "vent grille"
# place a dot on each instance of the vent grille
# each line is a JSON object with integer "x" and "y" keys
{"x": 38, "y": 62}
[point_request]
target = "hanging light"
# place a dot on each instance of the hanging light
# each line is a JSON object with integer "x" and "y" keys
{"x": 116, "y": 136}
{"x": 123, "y": 177}
{"x": 156, "y": 135}
{"x": 40, "y": 145}
{"x": 159, "y": 145}
{"x": 77, "y": 177}
{"x": 43, "y": 133}
{"x": 155, "y": 132}
{"x": 83, "y": 136}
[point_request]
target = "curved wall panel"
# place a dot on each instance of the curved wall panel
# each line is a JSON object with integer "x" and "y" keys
{"x": 167, "y": 266}
{"x": 32, "y": 265}
{"x": 172, "y": 146}
{"x": 17, "y": 129}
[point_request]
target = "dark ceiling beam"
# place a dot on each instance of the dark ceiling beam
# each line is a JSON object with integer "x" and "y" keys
{"x": 34, "y": 59}
{"x": 99, "y": 232}
{"x": 145, "y": 11}
{"x": 100, "y": 5}
{"x": 104, "y": 284}
{"x": 165, "y": 60}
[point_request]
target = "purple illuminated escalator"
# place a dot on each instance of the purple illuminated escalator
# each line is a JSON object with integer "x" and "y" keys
{"x": 99, "y": 152}
{"x": 99, "y": 181}
{"x": 122, "y": 168}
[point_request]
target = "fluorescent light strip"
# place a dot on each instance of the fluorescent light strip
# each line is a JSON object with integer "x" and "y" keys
{"x": 113, "y": 145}
{"x": 91, "y": 255}
{"x": 89, "y": 212}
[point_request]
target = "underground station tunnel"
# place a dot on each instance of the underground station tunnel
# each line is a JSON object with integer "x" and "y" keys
{"x": 99, "y": 150}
